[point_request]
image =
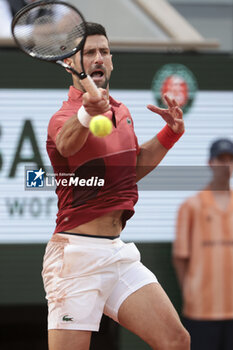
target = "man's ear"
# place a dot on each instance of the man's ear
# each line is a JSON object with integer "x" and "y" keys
{"x": 70, "y": 62}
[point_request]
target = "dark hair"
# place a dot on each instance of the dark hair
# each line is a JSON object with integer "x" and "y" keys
{"x": 221, "y": 146}
{"x": 95, "y": 29}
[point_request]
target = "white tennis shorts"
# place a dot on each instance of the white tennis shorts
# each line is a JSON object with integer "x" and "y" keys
{"x": 85, "y": 277}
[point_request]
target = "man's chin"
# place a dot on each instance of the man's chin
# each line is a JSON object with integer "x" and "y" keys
{"x": 101, "y": 84}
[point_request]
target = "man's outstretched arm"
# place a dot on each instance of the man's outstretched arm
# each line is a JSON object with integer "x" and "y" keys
{"x": 154, "y": 150}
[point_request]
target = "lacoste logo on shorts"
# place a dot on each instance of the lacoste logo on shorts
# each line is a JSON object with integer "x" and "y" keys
{"x": 66, "y": 318}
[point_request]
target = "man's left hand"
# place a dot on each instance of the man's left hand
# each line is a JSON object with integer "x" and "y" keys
{"x": 172, "y": 115}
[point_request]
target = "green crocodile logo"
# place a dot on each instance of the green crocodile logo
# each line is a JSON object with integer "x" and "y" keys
{"x": 66, "y": 318}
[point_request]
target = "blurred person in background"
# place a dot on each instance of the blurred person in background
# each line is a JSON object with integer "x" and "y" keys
{"x": 5, "y": 19}
{"x": 203, "y": 256}
{"x": 16, "y": 5}
{"x": 8, "y": 8}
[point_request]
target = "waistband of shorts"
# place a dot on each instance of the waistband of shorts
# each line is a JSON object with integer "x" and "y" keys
{"x": 86, "y": 235}
{"x": 84, "y": 239}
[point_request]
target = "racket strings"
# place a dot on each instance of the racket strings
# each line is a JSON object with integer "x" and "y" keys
{"x": 49, "y": 32}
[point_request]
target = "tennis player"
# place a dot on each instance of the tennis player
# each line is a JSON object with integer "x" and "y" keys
{"x": 88, "y": 270}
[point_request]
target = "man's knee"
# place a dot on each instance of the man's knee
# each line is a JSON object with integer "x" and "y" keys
{"x": 177, "y": 340}
{"x": 181, "y": 341}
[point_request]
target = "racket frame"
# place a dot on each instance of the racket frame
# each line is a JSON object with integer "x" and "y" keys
{"x": 86, "y": 81}
{"x": 27, "y": 8}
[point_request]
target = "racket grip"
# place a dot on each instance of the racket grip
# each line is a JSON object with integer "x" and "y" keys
{"x": 89, "y": 85}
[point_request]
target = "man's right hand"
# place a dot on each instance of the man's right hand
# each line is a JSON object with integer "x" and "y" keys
{"x": 96, "y": 105}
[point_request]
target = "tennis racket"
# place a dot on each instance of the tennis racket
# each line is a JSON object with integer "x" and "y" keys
{"x": 52, "y": 31}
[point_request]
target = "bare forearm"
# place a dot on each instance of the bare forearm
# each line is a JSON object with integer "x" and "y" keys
{"x": 181, "y": 266}
{"x": 72, "y": 137}
{"x": 74, "y": 132}
{"x": 151, "y": 154}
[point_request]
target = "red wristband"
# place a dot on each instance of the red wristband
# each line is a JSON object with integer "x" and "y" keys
{"x": 167, "y": 137}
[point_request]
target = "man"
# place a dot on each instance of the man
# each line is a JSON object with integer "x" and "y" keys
{"x": 203, "y": 256}
{"x": 88, "y": 270}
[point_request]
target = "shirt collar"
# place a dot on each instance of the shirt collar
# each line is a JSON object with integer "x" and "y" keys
{"x": 74, "y": 94}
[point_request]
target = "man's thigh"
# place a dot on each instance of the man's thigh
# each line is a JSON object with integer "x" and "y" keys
{"x": 149, "y": 313}
{"x": 60, "y": 339}
{"x": 205, "y": 335}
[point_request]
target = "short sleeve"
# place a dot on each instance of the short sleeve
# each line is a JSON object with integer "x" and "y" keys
{"x": 182, "y": 243}
{"x": 137, "y": 145}
{"x": 56, "y": 123}
{"x": 128, "y": 114}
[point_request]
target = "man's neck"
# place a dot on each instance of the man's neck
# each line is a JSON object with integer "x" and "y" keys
{"x": 222, "y": 198}
{"x": 221, "y": 186}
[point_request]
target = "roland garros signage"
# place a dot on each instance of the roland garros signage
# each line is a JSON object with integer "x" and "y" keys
{"x": 178, "y": 82}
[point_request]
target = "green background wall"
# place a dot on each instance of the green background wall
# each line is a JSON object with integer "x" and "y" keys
{"x": 131, "y": 70}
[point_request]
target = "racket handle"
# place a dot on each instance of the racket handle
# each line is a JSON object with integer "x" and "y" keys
{"x": 89, "y": 85}
{"x": 86, "y": 81}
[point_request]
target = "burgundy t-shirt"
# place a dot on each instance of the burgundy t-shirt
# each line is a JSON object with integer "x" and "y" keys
{"x": 110, "y": 160}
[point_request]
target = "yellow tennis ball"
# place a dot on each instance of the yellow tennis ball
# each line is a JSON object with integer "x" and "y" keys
{"x": 100, "y": 126}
